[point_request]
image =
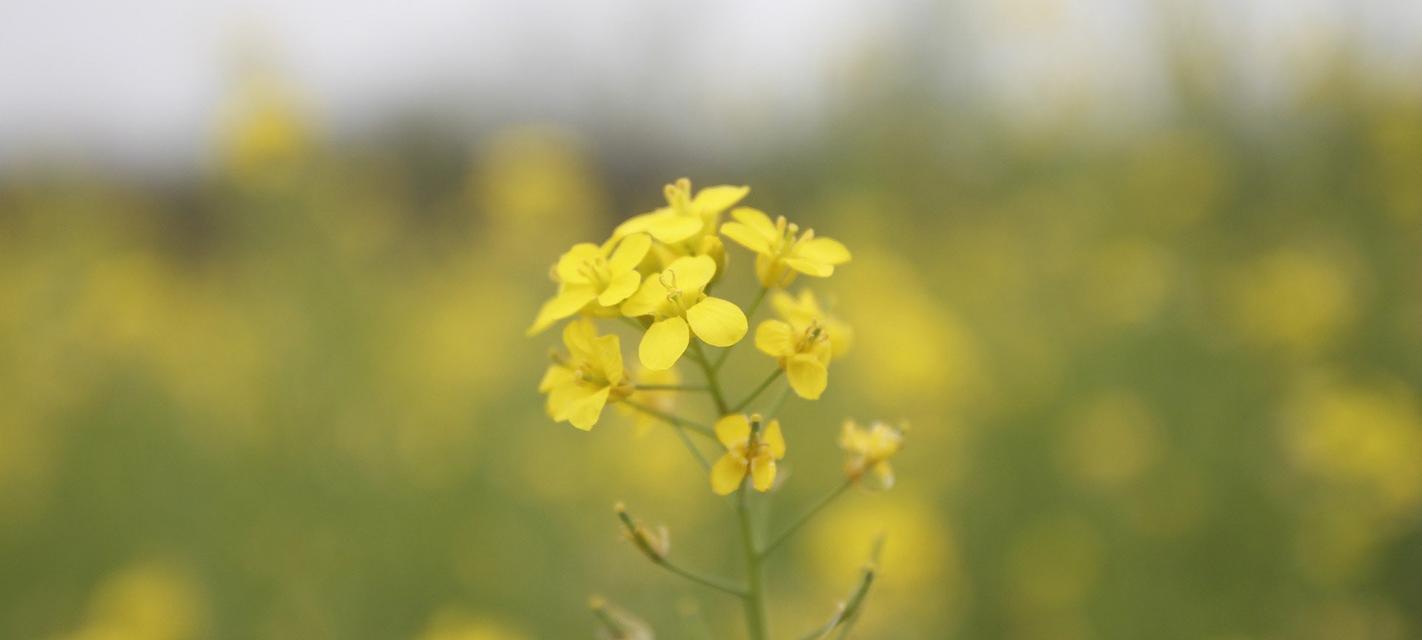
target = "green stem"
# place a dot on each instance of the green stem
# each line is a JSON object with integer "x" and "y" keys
{"x": 806, "y": 517}
{"x": 680, "y": 426}
{"x": 756, "y": 623}
{"x": 669, "y": 387}
{"x": 750, "y": 315}
{"x": 709, "y": 581}
{"x": 774, "y": 375}
{"x": 672, "y": 420}
{"x": 699, "y": 355}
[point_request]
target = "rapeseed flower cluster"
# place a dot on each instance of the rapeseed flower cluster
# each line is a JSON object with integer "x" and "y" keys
{"x": 654, "y": 276}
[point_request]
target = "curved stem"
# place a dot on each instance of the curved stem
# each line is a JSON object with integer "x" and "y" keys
{"x": 805, "y": 517}
{"x": 709, "y": 581}
{"x": 756, "y": 623}
{"x": 672, "y": 420}
{"x": 774, "y": 375}
{"x": 699, "y": 355}
{"x": 750, "y": 315}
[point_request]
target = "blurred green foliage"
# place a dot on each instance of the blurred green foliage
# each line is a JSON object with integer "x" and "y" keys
{"x": 1163, "y": 384}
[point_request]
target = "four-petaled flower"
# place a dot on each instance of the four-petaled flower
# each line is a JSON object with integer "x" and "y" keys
{"x": 781, "y": 249}
{"x": 869, "y": 449}
{"x": 685, "y": 217}
{"x": 751, "y": 446}
{"x": 804, "y": 310}
{"x": 581, "y": 384}
{"x": 804, "y": 353}
{"x": 589, "y": 273}
{"x": 678, "y": 305}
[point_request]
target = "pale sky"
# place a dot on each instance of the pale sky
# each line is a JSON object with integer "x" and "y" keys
{"x": 142, "y": 82}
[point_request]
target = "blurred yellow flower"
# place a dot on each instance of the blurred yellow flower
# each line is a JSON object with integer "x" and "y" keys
{"x": 589, "y": 273}
{"x": 679, "y": 306}
{"x": 748, "y": 448}
{"x": 455, "y": 624}
{"x": 781, "y": 249}
{"x": 581, "y": 385}
{"x": 1293, "y": 298}
{"x": 149, "y": 601}
{"x": 659, "y": 399}
{"x": 868, "y": 449}
{"x": 804, "y": 310}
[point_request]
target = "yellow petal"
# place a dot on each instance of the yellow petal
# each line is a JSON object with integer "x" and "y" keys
{"x": 584, "y": 412}
{"x": 808, "y": 376}
{"x": 718, "y": 198}
{"x": 810, "y": 267}
{"x": 775, "y": 338}
{"x": 570, "y": 264}
{"x": 568, "y": 302}
{"x": 884, "y": 475}
{"x": 578, "y": 337}
{"x": 746, "y": 237}
{"x": 622, "y": 286}
{"x": 671, "y": 228}
{"x": 629, "y": 253}
{"x": 638, "y": 223}
{"x": 563, "y": 397}
{"x": 556, "y": 375}
{"x": 756, "y": 220}
{"x": 823, "y": 250}
{"x": 774, "y": 440}
{"x": 608, "y": 358}
{"x": 733, "y": 430}
{"x": 727, "y": 474}
{"x": 763, "y": 472}
{"x": 691, "y": 273}
{"x": 663, "y": 343}
{"x": 718, "y": 322}
{"x": 649, "y": 297}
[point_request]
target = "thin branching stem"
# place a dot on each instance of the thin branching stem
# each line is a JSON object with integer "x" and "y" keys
{"x": 750, "y": 315}
{"x": 710, "y": 581}
{"x": 676, "y": 421}
{"x": 670, "y": 387}
{"x": 765, "y": 384}
{"x": 805, "y": 517}
{"x": 699, "y": 355}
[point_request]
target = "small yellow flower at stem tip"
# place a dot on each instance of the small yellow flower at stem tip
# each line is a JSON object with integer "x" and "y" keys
{"x": 752, "y": 447}
{"x": 686, "y": 218}
{"x": 782, "y": 251}
{"x": 678, "y": 305}
{"x": 868, "y": 450}
{"x": 580, "y": 385}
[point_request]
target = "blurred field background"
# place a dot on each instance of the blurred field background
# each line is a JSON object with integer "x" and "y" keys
{"x": 1155, "y": 315}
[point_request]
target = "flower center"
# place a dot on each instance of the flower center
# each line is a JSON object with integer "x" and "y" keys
{"x": 596, "y": 270}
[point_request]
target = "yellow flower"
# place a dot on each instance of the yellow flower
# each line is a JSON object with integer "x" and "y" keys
{"x": 748, "y": 448}
{"x": 781, "y": 250}
{"x": 869, "y": 450}
{"x": 588, "y": 273}
{"x": 805, "y": 310}
{"x": 579, "y": 386}
{"x": 678, "y": 304}
{"x": 685, "y": 217}
{"x": 803, "y": 351}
